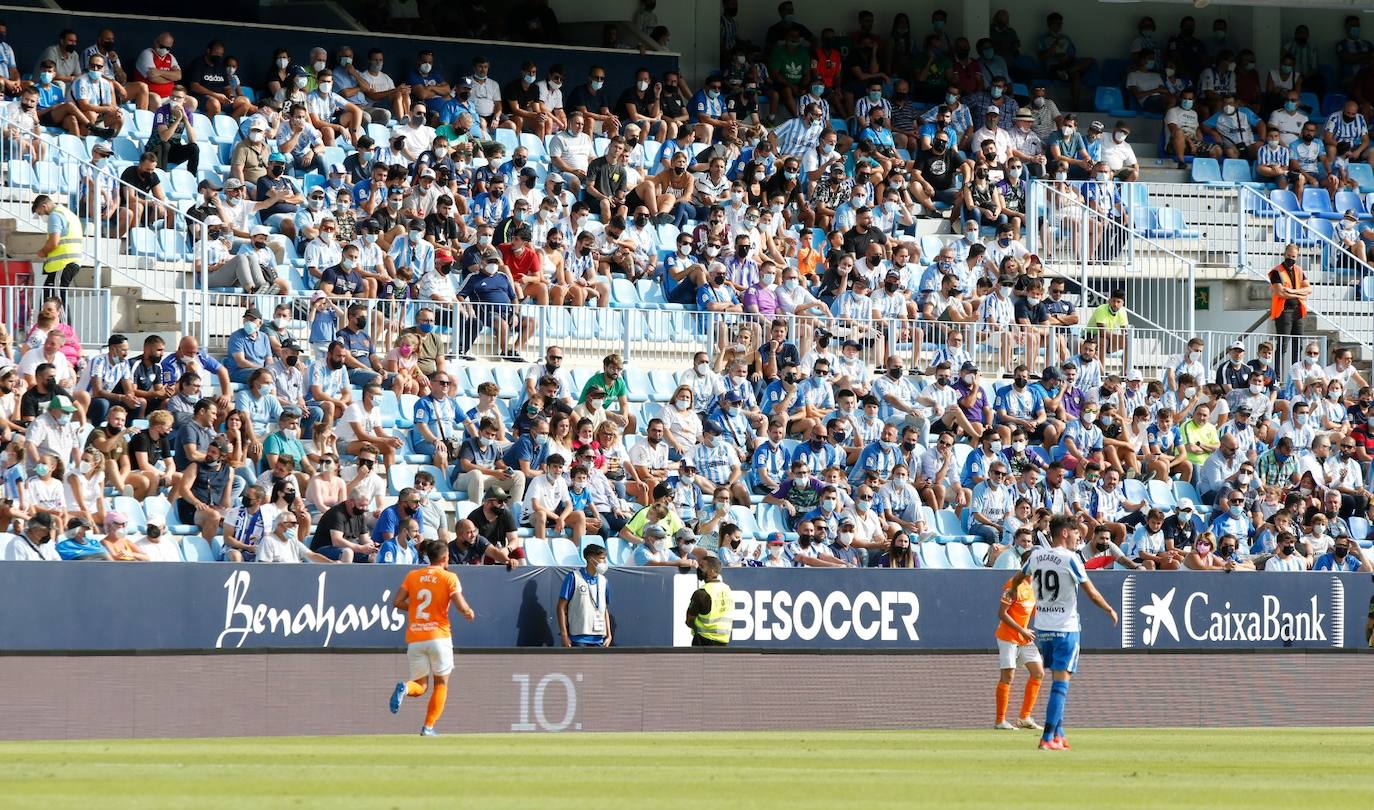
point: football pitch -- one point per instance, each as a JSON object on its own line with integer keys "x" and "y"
{"x": 1157, "y": 768}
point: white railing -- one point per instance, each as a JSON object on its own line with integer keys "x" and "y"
{"x": 1194, "y": 220}
{"x": 110, "y": 245}
{"x": 1104, "y": 254}
{"x": 87, "y": 309}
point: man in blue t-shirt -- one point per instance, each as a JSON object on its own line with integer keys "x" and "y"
{"x": 249, "y": 347}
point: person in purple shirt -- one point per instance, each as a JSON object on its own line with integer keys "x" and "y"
{"x": 799, "y": 494}
{"x": 973, "y": 400}
{"x": 762, "y": 299}
{"x": 740, "y": 271}
{"x": 1073, "y": 398}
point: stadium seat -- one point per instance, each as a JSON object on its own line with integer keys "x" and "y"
{"x": 619, "y": 552}
{"x": 1283, "y": 199}
{"x": 1235, "y": 170}
{"x": 69, "y": 148}
{"x": 1309, "y": 102}
{"x": 933, "y": 556}
{"x": 1298, "y": 232}
{"x": 980, "y": 551}
{"x": 959, "y": 556}
{"x": 1167, "y": 223}
{"x": 1161, "y": 495}
{"x": 565, "y": 552}
{"x": 743, "y": 517}
{"x": 1316, "y": 202}
{"x": 1363, "y": 175}
{"x": 1332, "y": 103}
{"x": 539, "y": 552}
{"x": 1351, "y": 201}
{"x": 195, "y": 549}
{"x": 1110, "y": 101}
{"x": 226, "y": 130}
{"x": 20, "y": 174}
{"x": 139, "y": 127}
{"x": 47, "y": 177}
{"x": 1359, "y": 528}
{"x": 624, "y": 294}
{"x": 1207, "y": 170}
{"x": 1185, "y": 489}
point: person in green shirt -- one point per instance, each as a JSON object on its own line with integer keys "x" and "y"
{"x": 1200, "y": 438}
{"x": 790, "y": 64}
{"x": 1110, "y": 322}
{"x": 611, "y": 380}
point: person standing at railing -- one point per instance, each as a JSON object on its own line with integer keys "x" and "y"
{"x": 1288, "y": 292}
{"x": 61, "y": 251}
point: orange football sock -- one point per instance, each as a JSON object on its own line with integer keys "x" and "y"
{"x": 1003, "y": 698}
{"x": 1028, "y": 699}
{"x": 436, "y": 704}
{"x": 415, "y": 688}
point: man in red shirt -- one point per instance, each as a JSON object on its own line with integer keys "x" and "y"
{"x": 525, "y": 266}
{"x": 159, "y": 71}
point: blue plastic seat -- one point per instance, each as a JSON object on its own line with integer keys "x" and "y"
{"x": 624, "y": 293}
{"x": 539, "y": 552}
{"x": 1167, "y": 223}
{"x": 535, "y": 147}
{"x": 172, "y": 246}
{"x": 1235, "y": 170}
{"x": 1316, "y": 202}
{"x": 21, "y": 175}
{"x": 140, "y": 126}
{"x": 1298, "y": 232}
{"x": 1350, "y": 201}
{"x": 1110, "y": 100}
{"x": 1363, "y": 174}
{"x": 1285, "y": 200}
{"x": 182, "y": 185}
{"x": 47, "y": 177}
{"x": 195, "y": 549}
{"x": 959, "y": 556}
{"x": 1309, "y": 102}
{"x": 1206, "y": 170}
{"x": 1332, "y": 103}
{"x": 933, "y": 556}
{"x": 226, "y": 129}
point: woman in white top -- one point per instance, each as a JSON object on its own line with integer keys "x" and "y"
{"x": 680, "y": 420}
{"x": 561, "y": 435}
{"x": 85, "y": 487}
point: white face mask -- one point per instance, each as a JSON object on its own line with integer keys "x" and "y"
{"x": 682, "y": 403}
{"x": 1189, "y": 392}
{"x": 775, "y": 551}
{"x": 1119, "y": 137}
{"x": 602, "y": 567}
{"x": 702, "y": 368}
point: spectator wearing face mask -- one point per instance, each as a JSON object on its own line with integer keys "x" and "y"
{"x": 1344, "y": 555}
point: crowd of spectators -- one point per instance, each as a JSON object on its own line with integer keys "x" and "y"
{"x": 798, "y": 241}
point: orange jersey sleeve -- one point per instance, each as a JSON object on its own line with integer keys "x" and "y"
{"x": 1019, "y": 608}
{"x": 430, "y": 590}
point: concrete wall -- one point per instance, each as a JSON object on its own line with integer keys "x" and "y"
{"x": 123, "y": 697}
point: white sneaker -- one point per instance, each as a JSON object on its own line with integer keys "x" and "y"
{"x": 1005, "y": 725}
{"x": 1029, "y": 722}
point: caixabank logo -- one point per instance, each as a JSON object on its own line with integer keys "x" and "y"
{"x": 1236, "y": 612}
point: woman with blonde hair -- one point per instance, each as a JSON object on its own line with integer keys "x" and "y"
{"x": 682, "y": 426}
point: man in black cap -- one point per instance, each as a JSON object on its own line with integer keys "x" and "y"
{"x": 38, "y": 542}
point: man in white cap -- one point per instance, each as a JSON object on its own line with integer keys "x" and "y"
{"x": 99, "y": 178}
{"x": 227, "y": 270}
{"x": 992, "y": 131}
{"x": 1234, "y": 373}
{"x": 1025, "y": 144}
{"x": 262, "y": 254}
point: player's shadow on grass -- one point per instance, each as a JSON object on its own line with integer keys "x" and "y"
{"x": 532, "y": 627}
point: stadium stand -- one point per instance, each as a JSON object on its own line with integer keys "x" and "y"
{"x": 359, "y": 301}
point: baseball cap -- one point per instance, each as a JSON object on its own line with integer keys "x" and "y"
{"x": 276, "y": 157}
{"x": 61, "y": 403}
{"x": 992, "y": 110}
{"x": 733, "y": 396}
{"x": 232, "y": 183}
{"x": 967, "y": 366}
{"x": 290, "y": 345}
{"x": 1134, "y": 375}
{"x": 252, "y": 314}
{"x": 466, "y": 81}
{"x": 207, "y": 183}
{"x": 655, "y": 531}
{"x": 336, "y": 168}
{"x": 712, "y": 428}
{"x": 1245, "y": 409}
{"x": 1185, "y": 504}
{"x": 427, "y": 172}
{"x": 1096, "y": 125}
{"x": 1238, "y": 345}
{"x": 443, "y": 256}
{"x": 102, "y": 146}
{"x": 213, "y": 219}
{"x": 498, "y": 493}
{"x": 684, "y": 535}
{"x": 259, "y": 230}
{"x": 776, "y": 538}
{"x": 851, "y": 343}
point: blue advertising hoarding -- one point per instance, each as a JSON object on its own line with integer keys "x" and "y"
{"x": 100, "y": 607}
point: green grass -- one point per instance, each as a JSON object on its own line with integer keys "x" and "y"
{"x": 1269, "y": 768}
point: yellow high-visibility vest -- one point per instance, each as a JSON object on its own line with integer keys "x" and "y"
{"x": 69, "y": 246}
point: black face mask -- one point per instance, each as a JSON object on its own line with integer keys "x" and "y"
{"x": 291, "y": 360}
{"x": 1289, "y": 549}
{"x": 1020, "y": 383}
{"x": 1339, "y": 552}
{"x": 894, "y": 373}
{"x": 276, "y": 171}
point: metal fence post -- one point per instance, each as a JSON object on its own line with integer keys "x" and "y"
{"x": 202, "y": 248}
{"x": 625, "y": 333}
{"x": 1190, "y": 299}
{"x": 1241, "y": 247}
